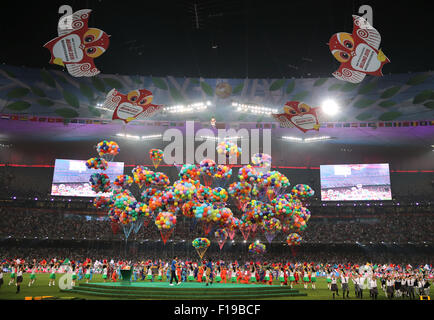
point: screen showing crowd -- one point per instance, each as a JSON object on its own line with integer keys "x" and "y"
{"x": 349, "y": 182}
{"x": 71, "y": 177}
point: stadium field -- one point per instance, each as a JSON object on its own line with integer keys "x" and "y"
{"x": 40, "y": 288}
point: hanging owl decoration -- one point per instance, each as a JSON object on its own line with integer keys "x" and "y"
{"x": 300, "y": 115}
{"x": 358, "y": 52}
{"x": 134, "y": 105}
{"x": 77, "y": 45}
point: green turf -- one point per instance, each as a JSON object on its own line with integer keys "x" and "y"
{"x": 41, "y": 288}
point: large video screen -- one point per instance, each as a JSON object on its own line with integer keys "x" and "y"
{"x": 347, "y": 182}
{"x": 71, "y": 177}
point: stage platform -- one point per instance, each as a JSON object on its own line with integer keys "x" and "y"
{"x": 186, "y": 290}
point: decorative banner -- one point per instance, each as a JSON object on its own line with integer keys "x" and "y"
{"x": 358, "y": 52}
{"x": 300, "y": 115}
{"x": 136, "y": 103}
{"x": 77, "y": 45}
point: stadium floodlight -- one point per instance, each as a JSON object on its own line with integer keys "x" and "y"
{"x": 198, "y": 106}
{"x": 313, "y": 139}
{"x": 152, "y": 136}
{"x": 292, "y": 139}
{"x": 306, "y": 140}
{"x": 255, "y": 109}
{"x": 330, "y": 107}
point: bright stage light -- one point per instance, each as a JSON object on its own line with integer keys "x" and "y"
{"x": 306, "y": 140}
{"x": 330, "y": 107}
{"x": 292, "y": 138}
{"x": 152, "y": 136}
{"x": 255, "y": 109}
{"x": 197, "y": 106}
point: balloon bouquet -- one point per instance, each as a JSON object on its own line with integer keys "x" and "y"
{"x": 156, "y": 156}
{"x": 264, "y": 203}
{"x": 165, "y": 223}
{"x": 260, "y": 197}
{"x": 221, "y": 236}
{"x": 257, "y": 247}
{"x": 293, "y": 240}
{"x": 201, "y": 245}
{"x": 99, "y": 181}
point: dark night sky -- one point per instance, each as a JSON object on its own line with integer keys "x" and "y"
{"x": 269, "y": 39}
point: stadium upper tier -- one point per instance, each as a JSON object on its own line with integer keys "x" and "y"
{"x": 53, "y": 93}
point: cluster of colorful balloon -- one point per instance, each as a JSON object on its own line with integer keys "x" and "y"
{"x": 123, "y": 181}
{"x": 201, "y": 243}
{"x": 272, "y": 225}
{"x": 156, "y": 156}
{"x": 223, "y": 172}
{"x": 293, "y": 239}
{"x": 204, "y": 194}
{"x": 188, "y": 207}
{"x": 205, "y": 211}
{"x": 248, "y": 174}
{"x": 100, "y": 182}
{"x": 165, "y": 201}
{"x": 159, "y": 179}
{"x": 97, "y": 163}
{"x": 189, "y": 171}
{"x": 229, "y": 149}
{"x": 257, "y": 247}
{"x": 165, "y": 220}
{"x": 283, "y": 207}
{"x": 219, "y": 195}
{"x": 184, "y": 190}
{"x": 208, "y": 167}
{"x": 221, "y": 234}
{"x": 262, "y": 160}
{"x": 102, "y": 202}
{"x": 256, "y": 211}
{"x": 107, "y": 148}
{"x": 142, "y": 176}
{"x": 148, "y": 193}
{"x": 302, "y": 190}
{"x": 273, "y": 179}
{"x": 239, "y": 189}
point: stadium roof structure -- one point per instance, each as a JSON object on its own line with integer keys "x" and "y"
{"x": 406, "y": 133}
{"x": 264, "y": 53}
{"x": 222, "y": 38}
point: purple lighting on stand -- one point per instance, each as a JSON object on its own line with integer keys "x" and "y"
{"x": 15, "y": 198}
{"x": 36, "y": 199}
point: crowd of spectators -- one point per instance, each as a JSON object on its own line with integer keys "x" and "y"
{"x": 28, "y": 223}
{"x": 322, "y": 257}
